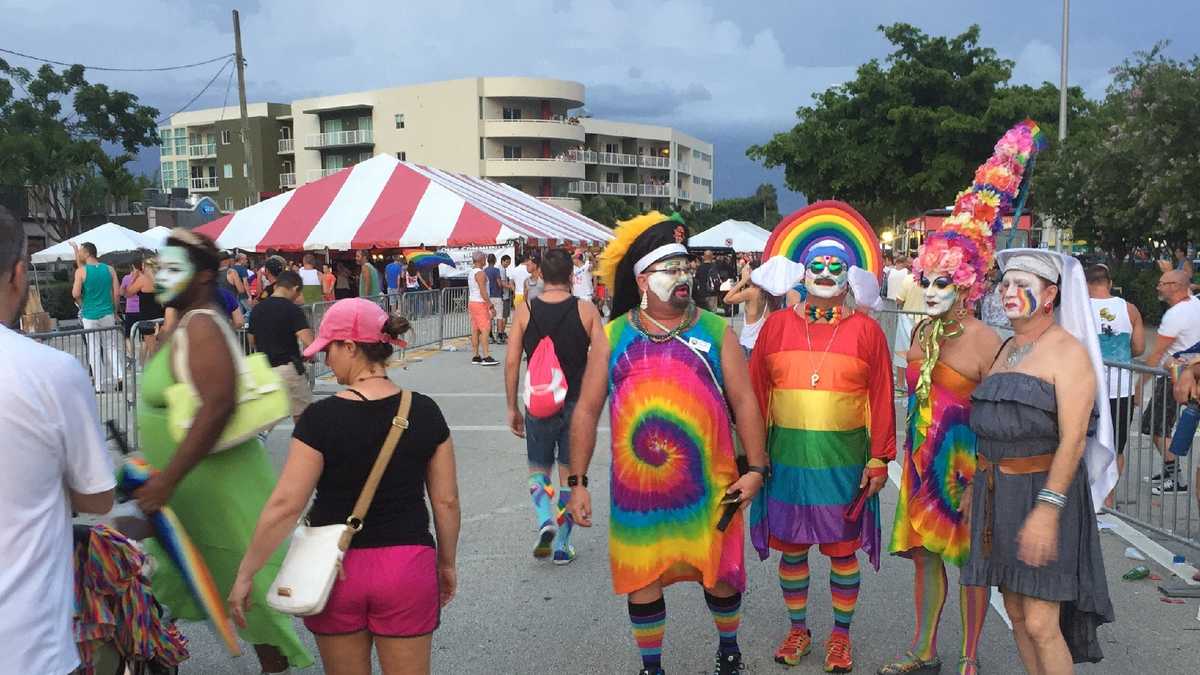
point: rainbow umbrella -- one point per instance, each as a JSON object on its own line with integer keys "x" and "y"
{"x": 174, "y": 539}
{"x": 426, "y": 259}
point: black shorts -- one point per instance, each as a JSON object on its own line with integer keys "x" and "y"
{"x": 127, "y": 321}
{"x": 1121, "y": 412}
{"x": 1158, "y": 419}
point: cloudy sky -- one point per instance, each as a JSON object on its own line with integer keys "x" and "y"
{"x": 729, "y": 71}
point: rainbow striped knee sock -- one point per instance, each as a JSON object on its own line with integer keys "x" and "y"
{"x": 727, "y": 615}
{"x": 649, "y": 621}
{"x": 843, "y": 586}
{"x": 793, "y": 579}
{"x": 541, "y": 491}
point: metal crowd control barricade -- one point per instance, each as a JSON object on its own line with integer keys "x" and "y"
{"x": 105, "y": 355}
{"x": 454, "y": 319}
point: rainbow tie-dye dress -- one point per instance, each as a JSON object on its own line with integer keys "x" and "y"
{"x": 939, "y": 464}
{"x": 672, "y": 460}
{"x": 821, "y": 433}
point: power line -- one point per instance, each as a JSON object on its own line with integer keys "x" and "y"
{"x": 118, "y": 70}
{"x": 198, "y": 94}
{"x": 228, "y": 86}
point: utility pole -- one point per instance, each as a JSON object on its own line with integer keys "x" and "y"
{"x": 241, "y": 74}
{"x": 1062, "y": 100}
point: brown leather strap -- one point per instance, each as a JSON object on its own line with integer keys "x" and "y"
{"x": 1018, "y": 466}
{"x": 399, "y": 423}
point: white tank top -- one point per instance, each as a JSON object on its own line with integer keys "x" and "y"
{"x": 474, "y": 292}
{"x": 1116, "y": 334}
{"x": 750, "y": 331}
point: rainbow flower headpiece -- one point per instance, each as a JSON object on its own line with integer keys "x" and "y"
{"x": 966, "y": 245}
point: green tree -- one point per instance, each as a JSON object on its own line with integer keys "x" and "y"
{"x": 762, "y": 209}
{"x": 608, "y": 210}
{"x": 51, "y": 139}
{"x": 907, "y": 134}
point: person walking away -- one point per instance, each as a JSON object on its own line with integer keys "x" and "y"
{"x": 142, "y": 287}
{"x": 480, "y": 309}
{"x": 278, "y": 330}
{"x": 757, "y": 307}
{"x": 708, "y": 281}
{"x": 518, "y": 276}
{"x": 368, "y": 276}
{"x": 217, "y": 495}
{"x": 581, "y": 276}
{"x": 392, "y": 273}
{"x": 675, "y": 373}
{"x": 496, "y": 298}
{"x": 313, "y": 289}
{"x": 53, "y": 460}
{"x": 328, "y": 280}
{"x": 1178, "y": 330}
{"x": 506, "y": 297}
{"x": 910, "y": 299}
{"x": 396, "y": 576}
{"x": 533, "y": 283}
{"x": 132, "y": 308}
{"x": 1122, "y": 337}
{"x": 96, "y": 291}
{"x": 571, "y": 326}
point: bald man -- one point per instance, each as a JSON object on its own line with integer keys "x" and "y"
{"x": 1178, "y": 331}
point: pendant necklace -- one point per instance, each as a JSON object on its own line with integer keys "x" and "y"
{"x": 816, "y": 373}
{"x": 1019, "y": 352}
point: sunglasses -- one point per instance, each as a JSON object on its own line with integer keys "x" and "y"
{"x": 835, "y": 268}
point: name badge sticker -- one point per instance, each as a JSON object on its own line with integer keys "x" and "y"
{"x": 697, "y": 343}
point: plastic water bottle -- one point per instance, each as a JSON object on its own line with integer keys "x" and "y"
{"x": 1185, "y": 429}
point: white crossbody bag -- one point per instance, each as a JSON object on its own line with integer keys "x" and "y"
{"x": 314, "y": 558}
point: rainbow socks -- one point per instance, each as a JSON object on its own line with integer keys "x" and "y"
{"x": 929, "y": 597}
{"x": 649, "y": 621}
{"x": 973, "y": 604}
{"x": 727, "y": 615}
{"x": 541, "y": 491}
{"x": 793, "y": 579}
{"x": 564, "y": 553}
{"x": 843, "y": 586}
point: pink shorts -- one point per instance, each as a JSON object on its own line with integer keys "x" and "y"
{"x": 481, "y": 319}
{"x": 389, "y": 592}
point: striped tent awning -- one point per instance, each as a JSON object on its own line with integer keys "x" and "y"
{"x": 386, "y": 203}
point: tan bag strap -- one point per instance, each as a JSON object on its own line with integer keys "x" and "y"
{"x": 354, "y": 523}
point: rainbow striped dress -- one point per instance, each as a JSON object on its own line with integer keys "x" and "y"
{"x": 939, "y": 463}
{"x": 672, "y": 460}
{"x": 821, "y": 434}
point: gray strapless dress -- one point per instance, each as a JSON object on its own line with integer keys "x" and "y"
{"x": 1016, "y": 415}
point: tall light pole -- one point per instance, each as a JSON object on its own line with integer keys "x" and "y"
{"x": 1062, "y": 84}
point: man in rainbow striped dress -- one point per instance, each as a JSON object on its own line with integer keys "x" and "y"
{"x": 822, "y": 375}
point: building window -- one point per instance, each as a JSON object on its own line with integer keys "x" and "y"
{"x": 285, "y": 167}
{"x": 612, "y": 148}
{"x": 399, "y": 120}
{"x": 612, "y": 177}
{"x": 512, "y": 113}
{"x": 228, "y": 207}
{"x": 228, "y": 171}
{"x": 285, "y": 133}
{"x": 695, "y": 154}
{"x": 226, "y": 137}
{"x": 245, "y": 171}
{"x": 402, "y": 156}
{"x": 512, "y": 152}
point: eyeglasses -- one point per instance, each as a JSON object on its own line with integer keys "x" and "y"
{"x": 834, "y": 267}
{"x": 1167, "y": 283}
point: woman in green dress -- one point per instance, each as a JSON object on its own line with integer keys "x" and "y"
{"x": 217, "y": 496}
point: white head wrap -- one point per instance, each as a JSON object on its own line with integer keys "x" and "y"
{"x": 1074, "y": 314}
{"x": 780, "y": 274}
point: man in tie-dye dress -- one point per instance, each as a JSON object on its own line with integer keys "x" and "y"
{"x": 823, "y": 378}
{"x": 673, "y": 372}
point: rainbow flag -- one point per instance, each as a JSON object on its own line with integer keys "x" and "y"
{"x": 174, "y": 539}
{"x": 427, "y": 259}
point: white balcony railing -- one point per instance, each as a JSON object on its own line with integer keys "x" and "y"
{"x": 340, "y": 138}
{"x": 653, "y": 162}
{"x": 684, "y": 167}
{"x": 202, "y": 150}
{"x": 565, "y": 202}
{"x": 619, "y": 189}
{"x": 287, "y": 145}
{"x": 287, "y": 180}
{"x": 204, "y": 184}
{"x": 617, "y": 159}
{"x": 684, "y": 194}
{"x": 557, "y": 119}
{"x": 650, "y": 190}
{"x": 318, "y": 174}
{"x": 583, "y": 187}
{"x": 587, "y": 156}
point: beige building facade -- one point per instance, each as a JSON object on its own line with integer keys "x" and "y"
{"x": 516, "y": 130}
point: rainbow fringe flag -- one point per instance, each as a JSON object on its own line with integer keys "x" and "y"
{"x": 174, "y": 539}
{"x": 427, "y": 259}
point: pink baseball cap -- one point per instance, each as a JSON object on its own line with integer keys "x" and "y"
{"x": 352, "y": 319}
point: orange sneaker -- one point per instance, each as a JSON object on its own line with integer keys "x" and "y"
{"x": 795, "y": 645}
{"x": 837, "y": 654}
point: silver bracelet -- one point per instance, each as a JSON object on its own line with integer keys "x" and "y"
{"x": 1055, "y": 499}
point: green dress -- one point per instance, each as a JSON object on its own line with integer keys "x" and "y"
{"x": 218, "y": 502}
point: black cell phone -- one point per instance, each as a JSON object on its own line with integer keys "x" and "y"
{"x": 733, "y": 498}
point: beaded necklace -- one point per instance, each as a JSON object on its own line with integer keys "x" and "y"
{"x": 689, "y": 318}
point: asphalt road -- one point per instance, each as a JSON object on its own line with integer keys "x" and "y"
{"x": 514, "y": 614}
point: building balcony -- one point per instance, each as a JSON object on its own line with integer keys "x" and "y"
{"x": 340, "y": 139}
{"x": 202, "y": 151}
{"x": 684, "y": 194}
{"x": 563, "y": 130}
{"x": 318, "y": 174}
{"x": 651, "y": 190}
{"x": 287, "y": 146}
{"x": 585, "y": 156}
{"x": 287, "y": 180}
{"x": 591, "y": 187}
{"x": 683, "y": 167}
{"x": 569, "y": 203}
{"x": 532, "y": 168}
{"x": 654, "y": 162}
{"x": 617, "y": 159}
{"x": 208, "y": 184}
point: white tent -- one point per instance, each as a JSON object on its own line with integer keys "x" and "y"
{"x": 739, "y": 235}
{"x": 157, "y": 236}
{"x": 107, "y": 238}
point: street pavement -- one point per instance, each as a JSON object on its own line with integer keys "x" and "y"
{"x": 515, "y": 614}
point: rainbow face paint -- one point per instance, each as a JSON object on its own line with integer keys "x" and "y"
{"x": 1019, "y": 292}
{"x": 940, "y": 295}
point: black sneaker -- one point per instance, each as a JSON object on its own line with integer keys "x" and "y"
{"x": 489, "y": 361}
{"x": 1168, "y": 471}
{"x": 728, "y": 664}
{"x": 476, "y": 360}
{"x": 1169, "y": 486}
{"x": 647, "y": 671}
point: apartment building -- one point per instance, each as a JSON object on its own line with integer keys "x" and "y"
{"x": 516, "y": 130}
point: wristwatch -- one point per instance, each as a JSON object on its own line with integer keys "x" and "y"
{"x": 575, "y": 481}
{"x": 764, "y": 471}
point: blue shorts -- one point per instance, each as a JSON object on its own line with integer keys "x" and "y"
{"x": 548, "y": 437}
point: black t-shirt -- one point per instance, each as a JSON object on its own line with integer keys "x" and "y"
{"x": 561, "y": 321}
{"x": 349, "y": 434}
{"x": 274, "y": 324}
{"x": 707, "y": 281}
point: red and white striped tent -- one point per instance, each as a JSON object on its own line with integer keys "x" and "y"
{"x": 386, "y": 203}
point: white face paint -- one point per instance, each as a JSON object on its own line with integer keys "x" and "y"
{"x": 1021, "y": 293}
{"x": 940, "y": 295}
{"x": 826, "y": 277}
{"x": 175, "y": 272}
{"x": 667, "y": 279}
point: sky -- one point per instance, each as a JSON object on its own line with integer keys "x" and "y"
{"x": 732, "y": 72}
